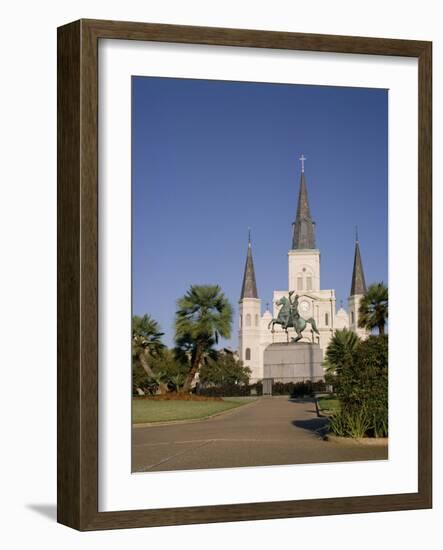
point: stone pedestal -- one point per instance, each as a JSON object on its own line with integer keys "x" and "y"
{"x": 293, "y": 360}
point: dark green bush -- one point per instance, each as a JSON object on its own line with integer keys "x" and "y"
{"x": 223, "y": 370}
{"x": 307, "y": 388}
{"x": 226, "y": 390}
{"x": 257, "y": 388}
{"x": 141, "y": 381}
{"x": 283, "y": 388}
{"x": 362, "y": 389}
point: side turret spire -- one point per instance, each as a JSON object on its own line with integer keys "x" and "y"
{"x": 358, "y": 284}
{"x": 249, "y": 286}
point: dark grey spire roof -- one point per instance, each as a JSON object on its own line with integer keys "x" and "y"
{"x": 249, "y": 286}
{"x": 358, "y": 285}
{"x": 304, "y": 227}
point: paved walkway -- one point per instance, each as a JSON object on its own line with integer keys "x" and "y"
{"x": 269, "y": 431}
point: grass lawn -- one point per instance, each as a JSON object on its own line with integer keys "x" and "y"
{"x": 151, "y": 410}
{"x": 328, "y": 404}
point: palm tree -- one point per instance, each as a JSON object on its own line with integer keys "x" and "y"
{"x": 204, "y": 314}
{"x": 340, "y": 348}
{"x": 147, "y": 344}
{"x": 373, "y": 310}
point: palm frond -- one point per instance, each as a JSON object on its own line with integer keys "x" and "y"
{"x": 373, "y": 311}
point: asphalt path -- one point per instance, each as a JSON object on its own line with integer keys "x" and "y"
{"x": 268, "y": 431}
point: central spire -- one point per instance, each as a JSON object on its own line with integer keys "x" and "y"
{"x": 303, "y": 236}
{"x": 249, "y": 286}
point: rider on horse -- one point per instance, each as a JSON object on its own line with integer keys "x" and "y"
{"x": 289, "y": 317}
{"x": 295, "y": 315}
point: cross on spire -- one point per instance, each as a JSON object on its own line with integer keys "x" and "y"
{"x": 302, "y": 159}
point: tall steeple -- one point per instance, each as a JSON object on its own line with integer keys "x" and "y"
{"x": 303, "y": 236}
{"x": 249, "y": 286}
{"x": 358, "y": 284}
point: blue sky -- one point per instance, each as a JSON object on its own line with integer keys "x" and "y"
{"x": 212, "y": 158}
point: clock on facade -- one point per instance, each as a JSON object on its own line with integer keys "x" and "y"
{"x": 304, "y": 306}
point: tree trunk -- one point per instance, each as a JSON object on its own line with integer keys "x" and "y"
{"x": 194, "y": 369}
{"x": 381, "y": 329}
{"x": 163, "y": 388}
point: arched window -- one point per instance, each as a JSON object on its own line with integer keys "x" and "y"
{"x": 326, "y": 319}
{"x": 308, "y": 283}
{"x": 352, "y": 317}
{"x": 241, "y": 321}
{"x": 248, "y": 354}
{"x": 256, "y": 320}
{"x": 299, "y": 283}
{"x": 248, "y": 320}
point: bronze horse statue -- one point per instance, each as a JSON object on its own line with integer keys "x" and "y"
{"x": 289, "y": 317}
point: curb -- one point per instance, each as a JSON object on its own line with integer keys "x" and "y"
{"x": 367, "y": 441}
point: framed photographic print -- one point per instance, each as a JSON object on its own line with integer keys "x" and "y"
{"x": 244, "y": 275}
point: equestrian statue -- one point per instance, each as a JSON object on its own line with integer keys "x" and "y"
{"x": 289, "y": 317}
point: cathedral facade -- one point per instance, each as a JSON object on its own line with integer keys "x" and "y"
{"x": 305, "y": 281}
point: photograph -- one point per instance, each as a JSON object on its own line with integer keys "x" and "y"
{"x": 260, "y": 329}
{"x": 222, "y": 219}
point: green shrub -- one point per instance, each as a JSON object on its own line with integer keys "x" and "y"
{"x": 380, "y": 424}
{"x": 226, "y": 390}
{"x": 362, "y": 389}
{"x": 257, "y": 388}
{"x": 358, "y": 422}
{"x": 141, "y": 381}
{"x": 307, "y": 388}
{"x": 354, "y": 423}
{"x": 223, "y": 369}
{"x": 283, "y": 388}
{"x": 338, "y": 424}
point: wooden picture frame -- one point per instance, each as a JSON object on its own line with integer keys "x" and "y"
{"x": 77, "y": 457}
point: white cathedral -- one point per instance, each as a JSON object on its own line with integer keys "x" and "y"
{"x": 304, "y": 280}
